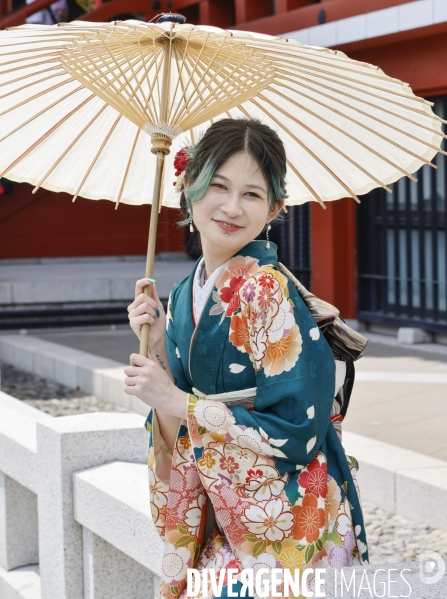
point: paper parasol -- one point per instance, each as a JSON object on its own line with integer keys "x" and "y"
{"x": 93, "y": 108}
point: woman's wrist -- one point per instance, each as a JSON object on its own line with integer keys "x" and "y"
{"x": 181, "y": 404}
{"x": 160, "y": 355}
{"x": 158, "y": 346}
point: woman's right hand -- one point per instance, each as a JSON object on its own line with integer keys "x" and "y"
{"x": 143, "y": 310}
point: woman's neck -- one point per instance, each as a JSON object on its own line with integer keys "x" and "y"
{"x": 215, "y": 259}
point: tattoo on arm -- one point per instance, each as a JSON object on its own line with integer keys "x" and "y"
{"x": 160, "y": 361}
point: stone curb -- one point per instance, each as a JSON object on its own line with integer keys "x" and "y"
{"x": 406, "y": 482}
{"x": 410, "y": 483}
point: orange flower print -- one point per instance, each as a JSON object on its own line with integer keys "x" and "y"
{"x": 309, "y": 519}
{"x": 240, "y": 335}
{"x": 207, "y": 461}
{"x": 185, "y": 442}
{"x": 228, "y": 463}
{"x": 314, "y": 478}
{"x": 282, "y": 355}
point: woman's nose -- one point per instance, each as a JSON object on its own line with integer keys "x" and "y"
{"x": 232, "y": 205}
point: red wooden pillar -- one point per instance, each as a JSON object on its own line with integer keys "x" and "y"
{"x": 333, "y": 254}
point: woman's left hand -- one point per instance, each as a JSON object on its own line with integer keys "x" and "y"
{"x": 149, "y": 382}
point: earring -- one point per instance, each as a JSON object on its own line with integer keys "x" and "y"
{"x": 191, "y": 228}
{"x": 267, "y": 245}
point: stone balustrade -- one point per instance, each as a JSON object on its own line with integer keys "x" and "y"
{"x": 75, "y": 519}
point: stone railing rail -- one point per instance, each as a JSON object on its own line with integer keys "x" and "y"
{"x": 75, "y": 519}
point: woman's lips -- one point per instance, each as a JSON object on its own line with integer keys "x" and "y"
{"x": 227, "y": 228}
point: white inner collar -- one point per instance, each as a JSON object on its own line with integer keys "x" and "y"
{"x": 202, "y": 288}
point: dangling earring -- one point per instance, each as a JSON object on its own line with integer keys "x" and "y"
{"x": 267, "y": 245}
{"x": 191, "y": 228}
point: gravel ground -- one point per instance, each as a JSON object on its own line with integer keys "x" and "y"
{"x": 394, "y": 539}
{"x": 50, "y": 397}
{"x": 391, "y": 538}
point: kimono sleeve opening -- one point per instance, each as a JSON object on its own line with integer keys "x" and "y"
{"x": 159, "y": 464}
{"x": 159, "y": 456}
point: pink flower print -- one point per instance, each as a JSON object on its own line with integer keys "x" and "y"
{"x": 314, "y": 478}
{"x": 229, "y": 295}
{"x": 341, "y": 557}
{"x": 238, "y": 266}
{"x": 248, "y": 291}
{"x": 229, "y": 508}
{"x": 264, "y": 299}
{"x": 229, "y": 463}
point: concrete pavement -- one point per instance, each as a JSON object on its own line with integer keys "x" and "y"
{"x": 410, "y": 409}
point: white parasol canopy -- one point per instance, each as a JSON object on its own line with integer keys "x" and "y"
{"x": 80, "y": 101}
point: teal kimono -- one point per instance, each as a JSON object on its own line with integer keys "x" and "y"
{"x": 269, "y": 463}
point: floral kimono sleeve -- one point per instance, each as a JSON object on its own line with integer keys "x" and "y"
{"x": 295, "y": 375}
{"x": 159, "y": 456}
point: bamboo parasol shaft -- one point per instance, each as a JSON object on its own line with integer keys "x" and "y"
{"x": 144, "y": 337}
{"x": 160, "y": 146}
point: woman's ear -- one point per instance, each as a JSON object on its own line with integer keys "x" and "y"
{"x": 275, "y": 211}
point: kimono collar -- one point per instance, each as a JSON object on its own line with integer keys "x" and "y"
{"x": 257, "y": 249}
{"x": 194, "y": 341}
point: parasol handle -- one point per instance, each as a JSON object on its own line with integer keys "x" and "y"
{"x": 144, "y": 335}
{"x": 160, "y": 146}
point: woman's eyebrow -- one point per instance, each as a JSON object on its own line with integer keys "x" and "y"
{"x": 256, "y": 187}
{"x": 251, "y": 186}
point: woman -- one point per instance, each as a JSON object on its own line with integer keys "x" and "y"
{"x": 246, "y": 468}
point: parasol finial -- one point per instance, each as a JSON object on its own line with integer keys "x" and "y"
{"x": 171, "y": 17}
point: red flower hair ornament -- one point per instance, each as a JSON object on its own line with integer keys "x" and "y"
{"x": 181, "y": 159}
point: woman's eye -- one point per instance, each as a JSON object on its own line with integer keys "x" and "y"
{"x": 219, "y": 185}
{"x": 252, "y": 194}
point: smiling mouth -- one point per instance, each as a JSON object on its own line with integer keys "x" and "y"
{"x": 226, "y": 224}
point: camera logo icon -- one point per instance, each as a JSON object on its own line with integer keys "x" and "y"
{"x": 431, "y": 567}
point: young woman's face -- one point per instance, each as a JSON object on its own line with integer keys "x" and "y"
{"x": 235, "y": 208}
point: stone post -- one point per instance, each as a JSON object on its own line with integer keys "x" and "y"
{"x": 18, "y": 525}
{"x": 106, "y": 568}
{"x": 65, "y": 446}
